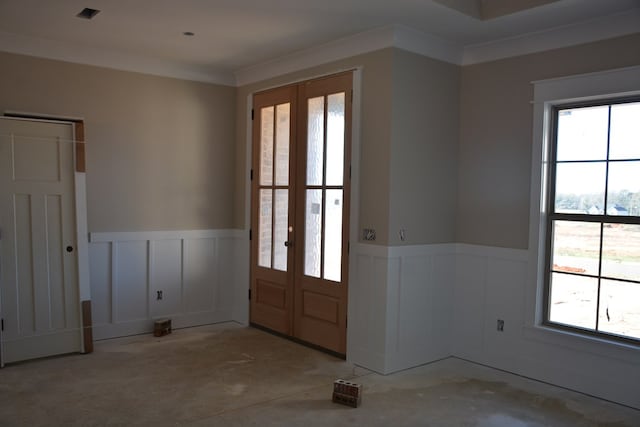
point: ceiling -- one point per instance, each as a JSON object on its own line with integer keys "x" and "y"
{"x": 233, "y": 35}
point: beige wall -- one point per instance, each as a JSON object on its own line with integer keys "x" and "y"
{"x": 496, "y": 131}
{"x": 424, "y": 149}
{"x": 160, "y": 151}
{"x": 376, "y": 135}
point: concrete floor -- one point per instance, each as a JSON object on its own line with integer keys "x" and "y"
{"x": 228, "y": 375}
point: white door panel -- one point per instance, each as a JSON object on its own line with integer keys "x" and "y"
{"x": 38, "y": 275}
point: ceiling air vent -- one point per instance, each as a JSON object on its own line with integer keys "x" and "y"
{"x": 88, "y": 13}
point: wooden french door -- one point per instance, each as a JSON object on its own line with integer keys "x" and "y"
{"x": 300, "y": 210}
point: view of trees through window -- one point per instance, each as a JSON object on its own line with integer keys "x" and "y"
{"x": 593, "y": 263}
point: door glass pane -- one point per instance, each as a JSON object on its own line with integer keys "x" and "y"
{"x": 313, "y": 233}
{"x": 621, "y": 251}
{"x": 580, "y": 188}
{"x": 315, "y": 140}
{"x": 625, "y": 128}
{"x": 282, "y": 143}
{"x": 266, "y": 146}
{"x": 333, "y": 235}
{"x": 264, "y": 232}
{"x": 623, "y": 191}
{"x": 280, "y": 231}
{"x": 620, "y": 308}
{"x": 576, "y": 247}
{"x": 573, "y": 300}
{"x": 335, "y": 138}
{"x": 582, "y": 133}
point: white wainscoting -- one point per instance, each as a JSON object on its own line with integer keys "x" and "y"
{"x": 399, "y": 305}
{"x": 197, "y": 272}
{"x": 491, "y": 284}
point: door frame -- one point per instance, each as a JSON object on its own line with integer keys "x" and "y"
{"x": 80, "y": 204}
{"x": 354, "y": 215}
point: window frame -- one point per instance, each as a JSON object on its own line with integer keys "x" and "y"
{"x": 548, "y": 191}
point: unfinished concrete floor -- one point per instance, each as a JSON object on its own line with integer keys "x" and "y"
{"x": 228, "y": 375}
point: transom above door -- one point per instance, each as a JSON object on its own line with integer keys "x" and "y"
{"x": 300, "y": 210}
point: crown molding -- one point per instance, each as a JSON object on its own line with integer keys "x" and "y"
{"x": 346, "y": 47}
{"x": 570, "y": 35}
{"x": 390, "y": 36}
{"x": 61, "y": 51}
{"x": 368, "y": 41}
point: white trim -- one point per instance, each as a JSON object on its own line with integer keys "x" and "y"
{"x": 547, "y": 93}
{"x": 602, "y": 84}
{"x": 510, "y": 254}
{"x": 123, "y": 236}
{"x": 422, "y": 250}
{"x": 353, "y": 352}
{"x": 570, "y": 35}
{"x": 346, "y": 47}
{"x": 583, "y": 343}
{"x": 79, "y": 54}
{"x": 391, "y": 36}
{"x": 25, "y": 115}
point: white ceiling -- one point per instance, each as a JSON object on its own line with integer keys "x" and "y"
{"x": 235, "y": 35}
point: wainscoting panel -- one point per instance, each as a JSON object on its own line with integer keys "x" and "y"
{"x": 199, "y": 275}
{"x": 136, "y": 277}
{"x": 131, "y": 284}
{"x": 420, "y": 292}
{"x": 490, "y": 285}
{"x": 399, "y": 305}
{"x": 165, "y": 281}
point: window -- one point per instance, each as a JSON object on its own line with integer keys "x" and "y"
{"x": 593, "y": 222}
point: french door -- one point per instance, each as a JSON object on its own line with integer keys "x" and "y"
{"x": 300, "y": 210}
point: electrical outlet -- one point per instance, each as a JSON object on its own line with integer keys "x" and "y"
{"x": 500, "y": 326}
{"x": 158, "y": 295}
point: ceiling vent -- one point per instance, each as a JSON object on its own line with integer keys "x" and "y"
{"x": 88, "y": 13}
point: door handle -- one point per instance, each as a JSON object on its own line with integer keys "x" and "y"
{"x": 288, "y": 243}
{"x": 69, "y": 248}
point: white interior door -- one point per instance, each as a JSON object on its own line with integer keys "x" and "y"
{"x": 39, "y": 298}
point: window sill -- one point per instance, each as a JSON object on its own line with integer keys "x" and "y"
{"x": 602, "y": 347}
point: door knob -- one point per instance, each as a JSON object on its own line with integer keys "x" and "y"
{"x": 288, "y": 243}
{"x": 69, "y": 248}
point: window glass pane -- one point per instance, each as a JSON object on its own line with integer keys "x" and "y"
{"x": 315, "y": 141}
{"x": 621, "y": 251}
{"x": 623, "y": 196}
{"x": 625, "y": 131}
{"x": 582, "y": 133}
{"x": 335, "y": 138}
{"x": 266, "y": 146}
{"x": 264, "y": 232}
{"x": 620, "y": 308}
{"x": 282, "y": 143}
{"x": 576, "y": 247}
{"x": 580, "y": 187}
{"x": 573, "y": 300}
{"x": 313, "y": 233}
{"x": 333, "y": 235}
{"x": 280, "y": 233}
